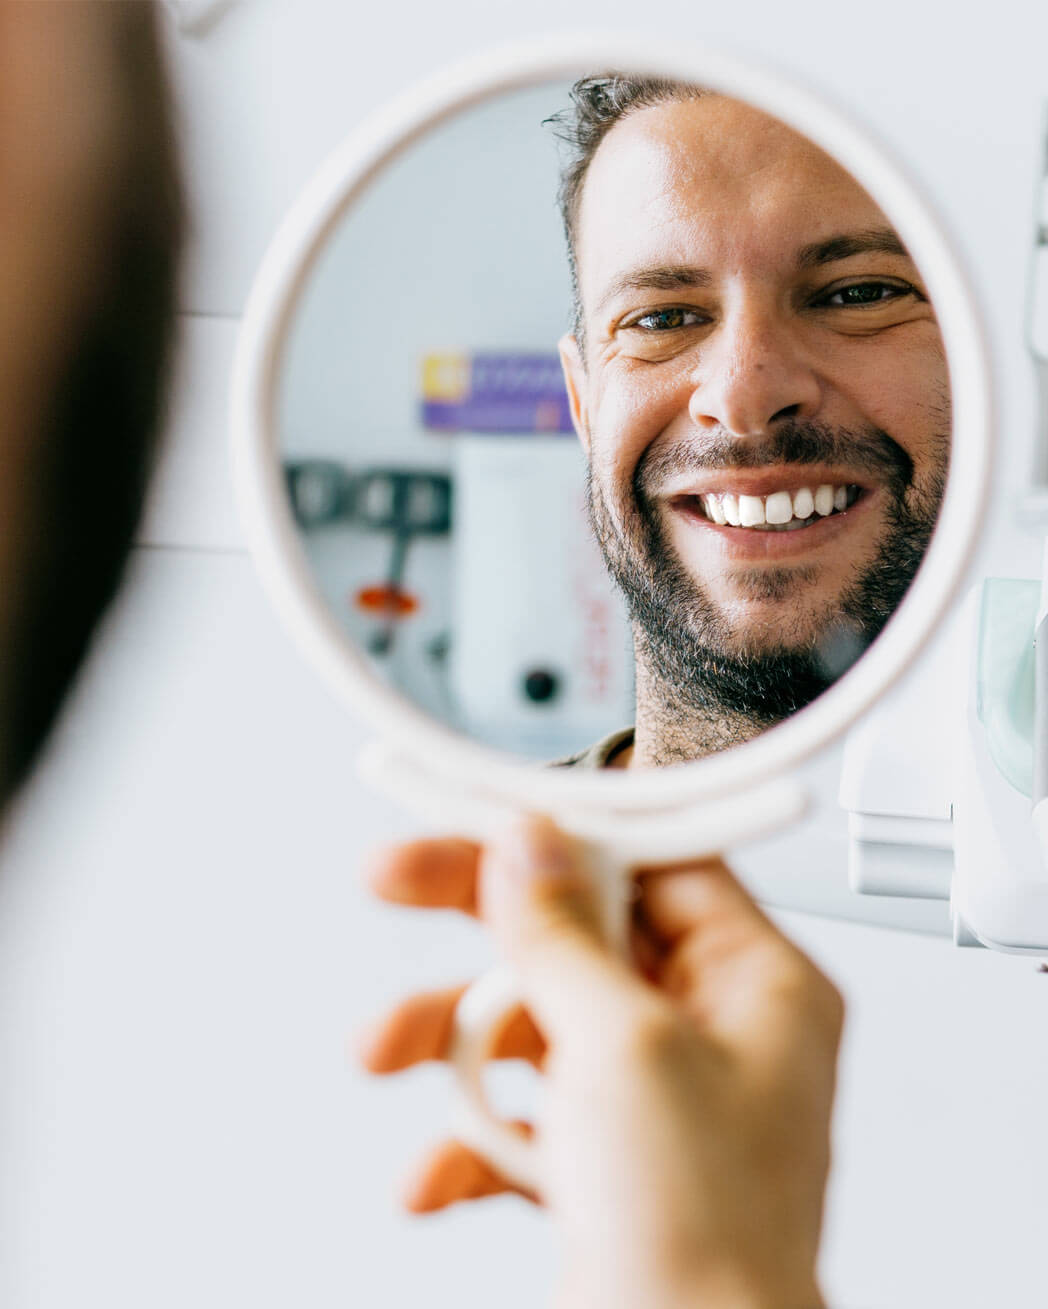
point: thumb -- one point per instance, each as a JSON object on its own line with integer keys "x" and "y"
{"x": 542, "y": 900}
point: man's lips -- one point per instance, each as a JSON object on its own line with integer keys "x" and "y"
{"x": 772, "y": 498}
{"x": 777, "y": 525}
{"x": 760, "y": 481}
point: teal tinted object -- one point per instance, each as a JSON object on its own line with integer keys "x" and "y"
{"x": 1005, "y": 675}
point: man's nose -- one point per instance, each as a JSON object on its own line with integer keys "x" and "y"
{"x": 753, "y": 373}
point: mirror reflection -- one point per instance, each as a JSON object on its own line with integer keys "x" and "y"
{"x": 615, "y": 418}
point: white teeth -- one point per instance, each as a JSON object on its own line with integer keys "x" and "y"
{"x": 751, "y": 511}
{"x": 778, "y": 508}
{"x": 714, "y": 508}
{"x": 781, "y": 510}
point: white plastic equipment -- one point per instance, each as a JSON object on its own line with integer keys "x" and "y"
{"x": 542, "y": 662}
{"x": 945, "y": 783}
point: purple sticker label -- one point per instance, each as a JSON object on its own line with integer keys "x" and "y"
{"x": 494, "y": 393}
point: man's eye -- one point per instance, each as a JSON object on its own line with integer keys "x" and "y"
{"x": 865, "y": 293}
{"x": 667, "y": 320}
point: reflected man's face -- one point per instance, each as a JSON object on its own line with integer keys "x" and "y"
{"x": 760, "y": 386}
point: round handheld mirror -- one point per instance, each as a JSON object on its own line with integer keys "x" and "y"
{"x": 610, "y": 404}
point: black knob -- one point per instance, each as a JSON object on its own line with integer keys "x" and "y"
{"x": 321, "y": 491}
{"x": 540, "y": 686}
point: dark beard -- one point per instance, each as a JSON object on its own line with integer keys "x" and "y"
{"x": 702, "y": 669}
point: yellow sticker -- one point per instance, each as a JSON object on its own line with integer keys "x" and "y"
{"x": 445, "y": 377}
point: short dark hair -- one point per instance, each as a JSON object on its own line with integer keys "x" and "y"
{"x": 599, "y": 102}
{"x": 94, "y": 447}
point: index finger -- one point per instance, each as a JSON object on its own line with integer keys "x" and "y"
{"x": 436, "y": 873}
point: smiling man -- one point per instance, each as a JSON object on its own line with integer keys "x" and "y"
{"x": 760, "y": 385}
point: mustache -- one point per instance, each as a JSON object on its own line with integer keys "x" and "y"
{"x": 865, "y": 450}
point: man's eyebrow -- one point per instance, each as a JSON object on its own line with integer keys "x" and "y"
{"x": 878, "y": 240}
{"x": 671, "y": 277}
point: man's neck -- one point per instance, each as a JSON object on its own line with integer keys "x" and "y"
{"x": 671, "y": 729}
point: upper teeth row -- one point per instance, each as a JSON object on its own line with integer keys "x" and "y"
{"x": 779, "y": 507}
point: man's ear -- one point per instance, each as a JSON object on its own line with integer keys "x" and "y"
{"x": 575, "y": 381}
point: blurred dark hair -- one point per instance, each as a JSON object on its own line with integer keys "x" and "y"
{"x": 597, "y": 104}
{"x": 94, "y": 449}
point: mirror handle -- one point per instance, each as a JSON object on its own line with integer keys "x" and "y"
{"x": 481, "y": 1012}
{"x": 487, "y": 1005}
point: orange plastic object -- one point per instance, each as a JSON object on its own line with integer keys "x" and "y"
{"x": 386, "y": 600}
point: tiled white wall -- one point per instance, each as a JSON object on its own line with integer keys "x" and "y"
{"x": 191, "y": 501}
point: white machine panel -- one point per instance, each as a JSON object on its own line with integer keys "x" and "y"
{"x": 541, "y": 651}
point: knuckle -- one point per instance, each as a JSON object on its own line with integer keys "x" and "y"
{"x": 810, "y": 993}
{"x": 652, "y": 1035}
{"x": 823, "y": 1002}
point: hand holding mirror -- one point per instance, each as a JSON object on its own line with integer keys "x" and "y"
{"x": 731, "y": 524}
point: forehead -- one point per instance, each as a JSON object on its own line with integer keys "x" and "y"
{"x": 714, "y": 181}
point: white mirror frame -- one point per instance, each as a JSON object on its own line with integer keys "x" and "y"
{"x": 274, "y": 537}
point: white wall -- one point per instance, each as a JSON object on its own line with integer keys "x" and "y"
{"x": 457, "y": 248}
{"x": 184, "y": 944}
